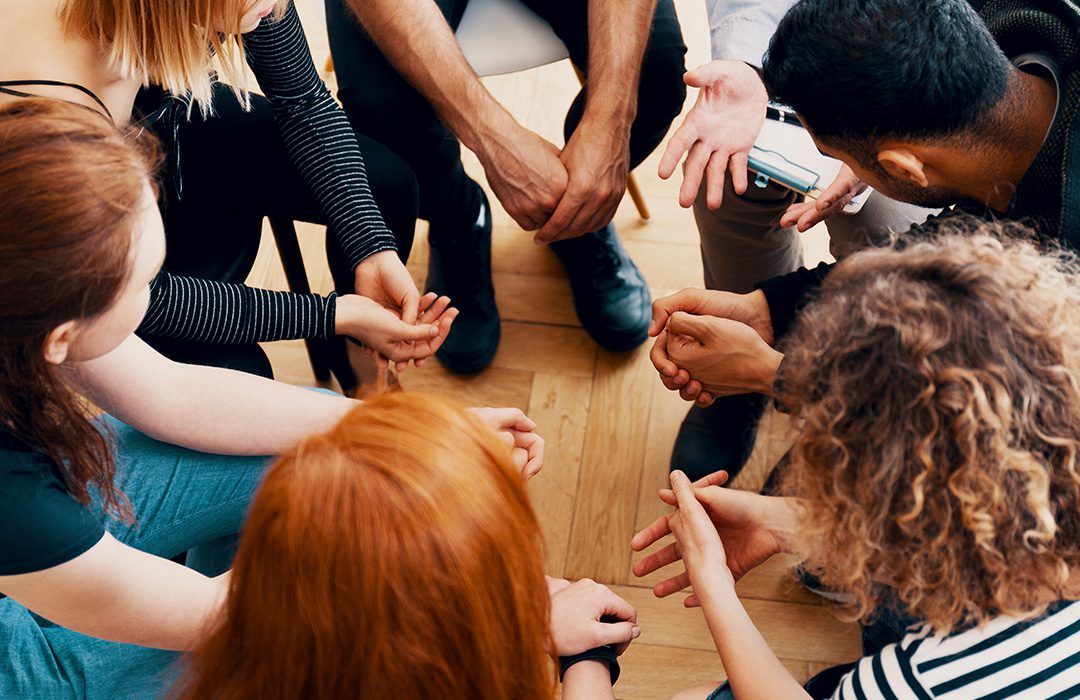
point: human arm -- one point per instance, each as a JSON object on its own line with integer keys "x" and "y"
{"x": 752, "y": 667}
{"x": 597, "y": 155}
{"x": 205, "y": 408}
{"x": 523, "y": 169}
{"x": 118, "y": 593}
{"x": 321, "y": 143}
{"x": 587, "y": 680}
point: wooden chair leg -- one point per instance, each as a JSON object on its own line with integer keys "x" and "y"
{"x": 635, "y": 194}
{"x": 631, "y": 182}
{"x": 293, "y": 262}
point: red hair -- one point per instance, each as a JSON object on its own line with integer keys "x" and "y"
{"x": 396, "y": 555}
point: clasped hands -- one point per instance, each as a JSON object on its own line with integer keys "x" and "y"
{"x": 711, "y": 344}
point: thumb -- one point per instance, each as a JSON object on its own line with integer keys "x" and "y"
{"x": 409, "y": 332}
{"x": 682, "y": 323}
{"x": 680, "y": 485}
{"x": 616, "y": 632}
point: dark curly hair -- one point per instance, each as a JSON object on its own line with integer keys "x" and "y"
{"x": 938, "y": 391}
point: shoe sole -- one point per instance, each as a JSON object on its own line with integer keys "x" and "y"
{"x": 475, "y": 365}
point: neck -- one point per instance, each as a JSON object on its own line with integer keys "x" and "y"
{"x": 1025, "y": 116}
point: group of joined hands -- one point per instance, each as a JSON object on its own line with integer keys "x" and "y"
{"x": 708, "y": 344}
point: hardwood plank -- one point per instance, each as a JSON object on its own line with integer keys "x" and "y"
{"x": 665, "y": 416}
{"x": 670, "y": 264}
{"x": 535, "y": 299}
{"x": 492, "y": 387}
{"x": 793, "y": 630}
{"x": 556, "y": 349}
{"x": 559, "y": 404}
{"x": 611, "y": 468}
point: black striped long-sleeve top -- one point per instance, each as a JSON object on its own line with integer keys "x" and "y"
{"x": 321, "y": 142}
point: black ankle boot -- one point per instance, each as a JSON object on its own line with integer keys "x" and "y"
{"x": 459, "y": 266}
{"x": 610, "y": 295}
{"x": 718, "y": 437}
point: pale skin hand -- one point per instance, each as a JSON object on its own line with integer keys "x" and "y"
{"x": 804, "y": 215}
{"x": 576, "y": 609}
{"x": 752, "y": 528}
{"x": 719, "y": 130}
{"x": 383, "y": 332}
{"x": 518, "y": 432}
{"x": 753, "y": 670}
{"x": 731, "y": 322}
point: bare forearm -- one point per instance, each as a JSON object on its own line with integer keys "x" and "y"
{"x": 205, "y": 408}
{"x": 417, "y": 40}
{"x": 618, "y": 33}
{"x": 587, "y": 680}
{"x": 752, "y": 667}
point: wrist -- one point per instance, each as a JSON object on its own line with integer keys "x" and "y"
{"x": 768, "y": 370}
{"x": 346, "y": 314}
{"x": 780, "y": 521}
{"x": 490, "y": 133}
{"x": 591, "y": 669}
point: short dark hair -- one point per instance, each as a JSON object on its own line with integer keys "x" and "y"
{"x": 860, "y": 70}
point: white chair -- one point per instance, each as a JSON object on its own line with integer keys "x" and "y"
{"x": 505, "y": 36}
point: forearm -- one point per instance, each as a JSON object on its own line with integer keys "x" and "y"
{"x": 752, "y": 667}
{"x": 206, "y": 408}
{"x": 618, "y": 34}
{"x": 587, "y": 680}
{"x": 417, "y": 40}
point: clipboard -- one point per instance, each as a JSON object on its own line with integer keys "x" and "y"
{"x": 785, "y": 154}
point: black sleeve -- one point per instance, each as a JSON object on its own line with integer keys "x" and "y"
{"x": 231, "y": 314}
{"x": 317, "y": 135}
{"x": 41, "y": 524}
{"x": 788, "y": 294}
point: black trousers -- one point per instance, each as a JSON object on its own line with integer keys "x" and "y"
{"x": 235, "y": 170}
{"x": 382, "y": 104}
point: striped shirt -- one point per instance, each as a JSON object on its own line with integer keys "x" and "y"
{"x": 1032, "y": 659}
{"x": 320, "y": 140}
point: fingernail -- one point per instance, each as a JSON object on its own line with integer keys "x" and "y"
{"x": 826, "y": 203}
{"x": 636, "y": 633}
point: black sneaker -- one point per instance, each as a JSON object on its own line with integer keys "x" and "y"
{"x": 610, "y": 295}
{"x": 459, "y": 266}
{"x": 718, "y": 437}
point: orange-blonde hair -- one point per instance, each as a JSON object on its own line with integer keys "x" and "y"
{"x": 169, "y": 43}
{"x": 939, "y": 387}
{"x": 395, "y": 556}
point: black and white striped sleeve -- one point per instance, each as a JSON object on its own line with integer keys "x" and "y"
{"x": 317, "y": 135}
{"x": 230, "y": 314}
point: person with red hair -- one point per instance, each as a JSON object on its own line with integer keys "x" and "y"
{"x": 397, "y": 556}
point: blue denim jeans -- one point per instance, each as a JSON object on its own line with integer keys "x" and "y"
{"x": 184, "y": 501}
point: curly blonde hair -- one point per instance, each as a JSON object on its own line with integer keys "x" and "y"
{"x": 939, "y": 394}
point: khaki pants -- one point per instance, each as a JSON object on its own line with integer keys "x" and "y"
{"x": 742, "y": 242}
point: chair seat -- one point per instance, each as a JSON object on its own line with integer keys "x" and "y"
{"x": 505, "y": 36}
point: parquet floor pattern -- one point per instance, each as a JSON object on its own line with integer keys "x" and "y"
{"x": 608, "y": 421}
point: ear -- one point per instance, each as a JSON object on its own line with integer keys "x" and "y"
{"x": 904, "y": 164}
{"x": 58, "y": 343}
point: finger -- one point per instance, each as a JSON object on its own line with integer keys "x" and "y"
{"x": 510, "y": 417}
{"x": 409, "y": 304}
{"x": 683, "y": 300}
{"x": 568, "y": 209}
{"x": 649, "y": 534}
{"x": 533, "y": 445}
{"x": 682, "y": 323}
{"x": 737, "y": 166}
{"x": 425, "y": 303}
{"x": 691, "y": 601}
{"x": 683, "y": 490}
{"x": 693, "y": 170}
{"x": 507, "y": 439}
{"x": 618, "y": 634}
{"x": 717, "y": 478}
{"x": 617, "y": 606}
{"x": 520, "y": 459}
{"x": 656, "y": 560}
{"x": 705, "y": 399}
{"x": 691, "y": 391}
{"x": 794, "y": 213}
{"x": 680, "y": 142}
{"x": 556, "y": 584}
{"x": 714, "y": 182}
{"x": 671, "y": 585}
{"x": 659, "y": 357}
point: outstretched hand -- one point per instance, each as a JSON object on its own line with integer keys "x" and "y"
{"x": 718, "y": 132}
{"x": 391, "y": 338}
{"x": 710, "y": 521}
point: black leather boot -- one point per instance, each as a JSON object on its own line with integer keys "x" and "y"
{"x": 718, "y": 437}
{"x": 610, "y": 295}
{"x": 459, "y": 266}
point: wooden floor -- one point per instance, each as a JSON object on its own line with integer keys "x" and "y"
{"x": 608, "y": 421}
